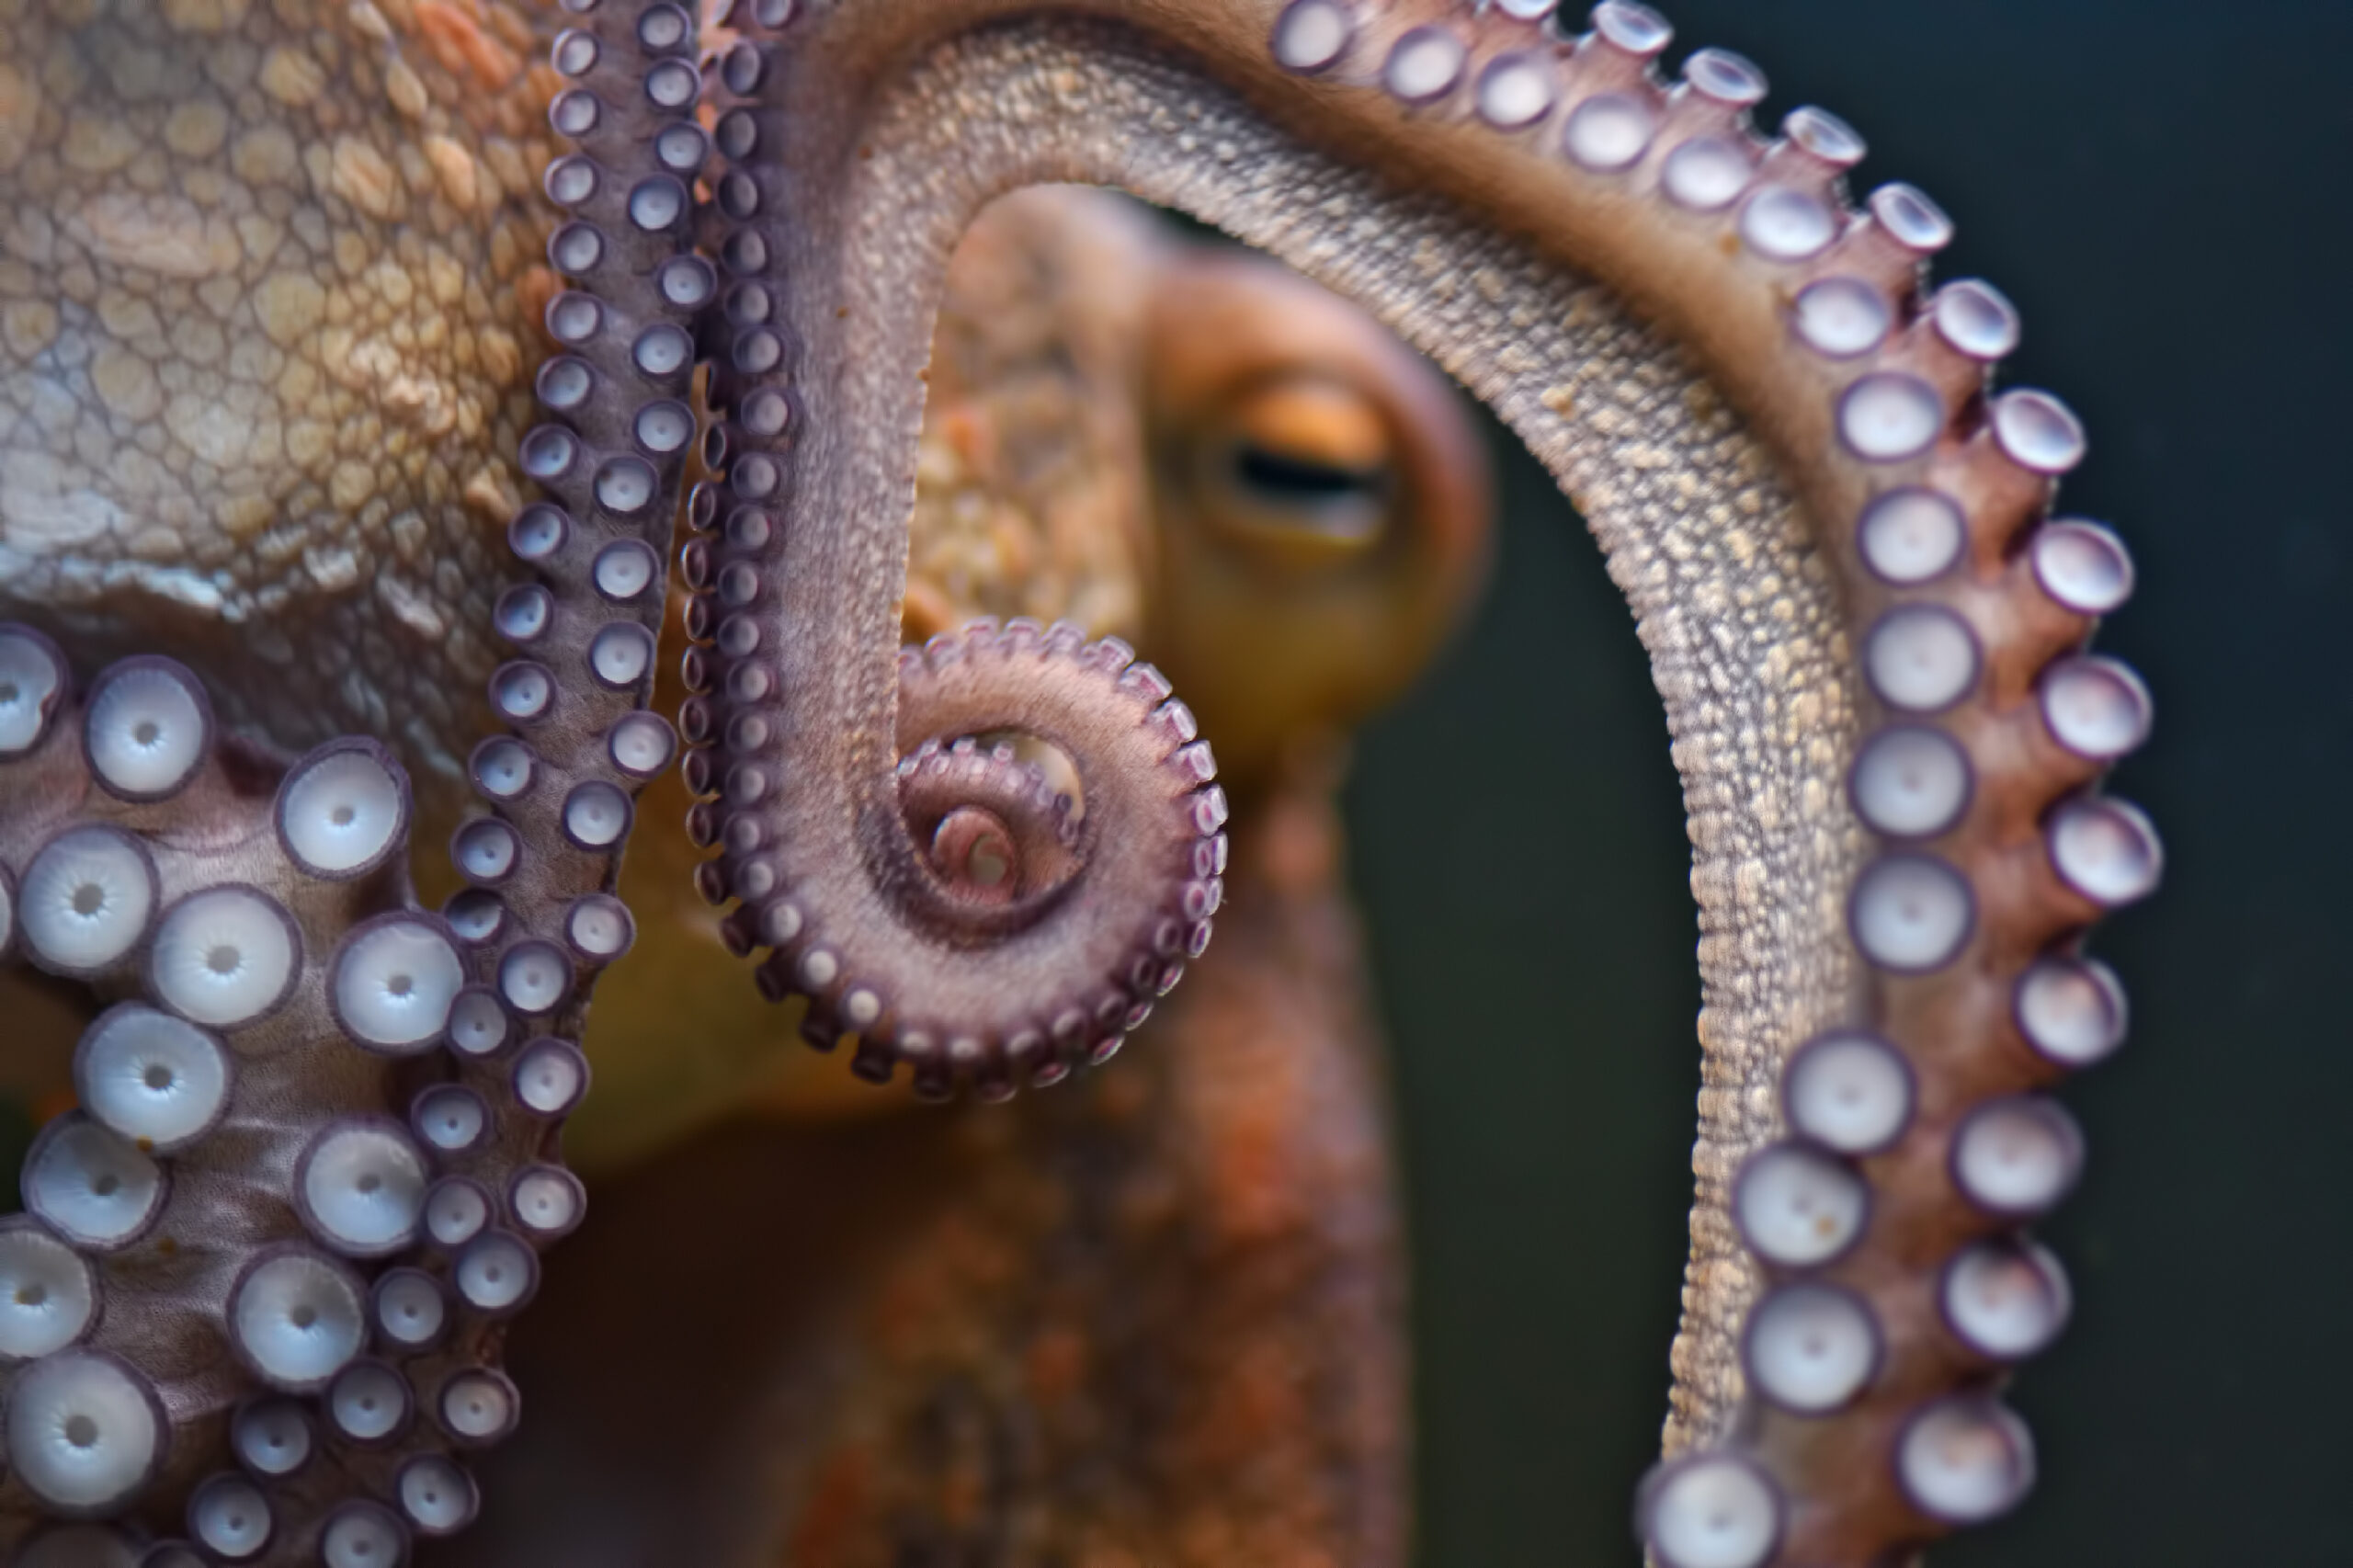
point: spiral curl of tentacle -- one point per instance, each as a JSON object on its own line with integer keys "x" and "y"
{"x": 260, "y": 1292}
{"x": 817, "y": 851}
{"x": 1149, "y": 852}
{"x": 1860, "y": 1282}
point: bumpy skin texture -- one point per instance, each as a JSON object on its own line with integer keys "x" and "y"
{"x": 269, "y": 287}
{"x": 1866, "y": 636}
{"x": 1006, "y": 428}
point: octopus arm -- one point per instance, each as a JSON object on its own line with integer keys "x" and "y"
{"x": 1830, "y": 529}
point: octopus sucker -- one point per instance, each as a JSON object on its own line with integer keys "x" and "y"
{"x": 267, "y": 1264}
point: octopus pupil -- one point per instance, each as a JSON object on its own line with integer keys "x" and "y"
{"x": 1298, "y": 479}
{"x": 89, "y": 898}
{"x": 81, "y": 1431}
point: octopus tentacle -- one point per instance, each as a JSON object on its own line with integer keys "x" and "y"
{"x": 237, "y": 1306}
{"x": 609, "y": 461}
{"x": 819, "y": 852}
{"x": 1868, "y": 639}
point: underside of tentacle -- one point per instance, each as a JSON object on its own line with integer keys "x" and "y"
{"x": 259, "y": 1296}
{"x": 1831, "y": 531}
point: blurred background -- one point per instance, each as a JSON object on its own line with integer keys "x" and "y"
{"x": 2165, "y": 190}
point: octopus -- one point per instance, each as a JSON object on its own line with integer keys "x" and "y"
{"x": 281, "y": 274}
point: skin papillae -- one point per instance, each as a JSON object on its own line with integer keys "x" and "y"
{"x": 1832, "y": 533}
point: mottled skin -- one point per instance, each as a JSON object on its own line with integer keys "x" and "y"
{"x": 1735, "y": 392}
{"x": 270, "y": 277}
{"x": 270, "y": 281}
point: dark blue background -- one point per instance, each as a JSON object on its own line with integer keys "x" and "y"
{"x": 2164, "y": 190}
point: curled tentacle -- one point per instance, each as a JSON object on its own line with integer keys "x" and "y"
{"x": 1868, "y": 641}
{"x": 816, "y": 848}
{"x": 994, "y": 831}
{"x": 240, "y": 1210}
{"x": 1106, "y": 913}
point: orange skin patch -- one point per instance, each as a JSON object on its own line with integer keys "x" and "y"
{"x": 461, "y": 46}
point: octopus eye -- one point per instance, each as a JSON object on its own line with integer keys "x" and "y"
{"x": 1306, "y": 463}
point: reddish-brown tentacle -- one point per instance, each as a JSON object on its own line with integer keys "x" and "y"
{"x": 793, "y": 720}
{"x": 1870, "y": 650}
